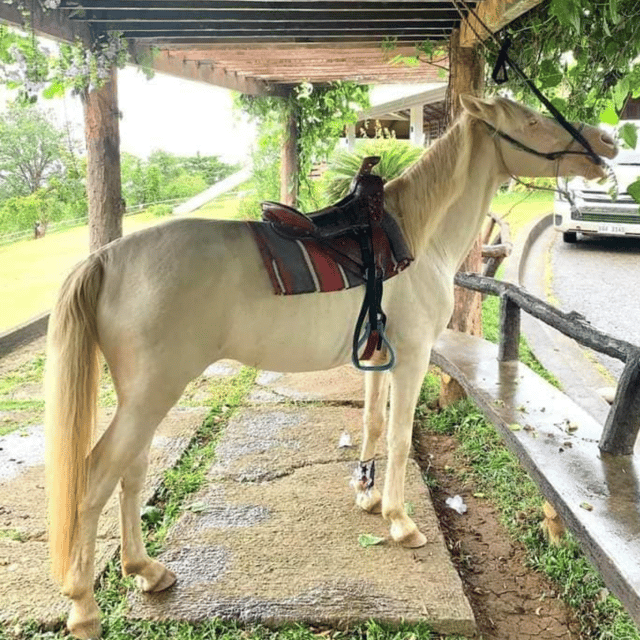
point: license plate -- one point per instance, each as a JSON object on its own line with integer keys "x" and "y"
{"x": 611, "y": 229}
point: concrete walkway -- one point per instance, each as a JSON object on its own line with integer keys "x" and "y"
{"x": 275, "y": 536}
{"x": 271, "y": 538}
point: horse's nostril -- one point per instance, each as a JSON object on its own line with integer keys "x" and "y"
{"x": 607, "y": 139}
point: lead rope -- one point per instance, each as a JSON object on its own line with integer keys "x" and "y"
{"x": 500, "y": 76}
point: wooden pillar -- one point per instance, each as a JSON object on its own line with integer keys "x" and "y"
{"x": 289, "y": 160}
{"x": 466, "y": 76}
{"x": 102, "y": 135}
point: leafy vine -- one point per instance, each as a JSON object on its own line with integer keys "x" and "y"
{"x": 321, "y": 113}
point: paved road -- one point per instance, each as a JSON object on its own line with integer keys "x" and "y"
{"x": 600, "y": 278}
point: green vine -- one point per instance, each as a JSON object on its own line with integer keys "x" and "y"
{"x": 583, "y": 54}
{"x": 321, "y": 112}
{"x": 428, "y": 52}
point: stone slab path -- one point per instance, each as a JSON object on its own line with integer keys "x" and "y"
{"x": 274, "y": 538}
{"x": 271, "y": 538}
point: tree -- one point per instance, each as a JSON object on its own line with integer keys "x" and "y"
{"x": 31, "y": 151}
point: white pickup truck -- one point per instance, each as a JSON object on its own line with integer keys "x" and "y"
{"x": 591, "y": 210}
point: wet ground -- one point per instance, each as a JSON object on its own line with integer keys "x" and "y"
{"x": 600, "y": 278}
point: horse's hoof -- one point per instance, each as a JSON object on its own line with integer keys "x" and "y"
{"x": 155, "y": 578}
{"x": 370, "y": 501}
{"x": 411, "y": 540}
{"x": 85, "y": 629}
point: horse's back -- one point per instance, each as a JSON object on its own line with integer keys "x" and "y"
{"x": 196, "y": 290}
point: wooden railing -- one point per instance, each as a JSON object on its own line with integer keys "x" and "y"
{"x": 623, "y": 421}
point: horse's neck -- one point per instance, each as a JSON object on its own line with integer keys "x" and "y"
{"x": 422, "y": 195}
{"x": 460, "y": 225}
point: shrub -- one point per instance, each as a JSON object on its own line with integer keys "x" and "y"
{"x": 395, "y": 157}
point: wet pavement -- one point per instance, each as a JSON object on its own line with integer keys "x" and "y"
{"x": 275, "y": 536}
{"x": 596, "y": 495}
{"x": 600, "y": 278}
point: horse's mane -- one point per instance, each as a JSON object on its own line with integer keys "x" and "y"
{"x": 422, "y": 194}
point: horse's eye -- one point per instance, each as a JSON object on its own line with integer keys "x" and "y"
{"x": 533, "y": 122}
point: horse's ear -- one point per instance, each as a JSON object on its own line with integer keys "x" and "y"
{"x": 479, "y": 107}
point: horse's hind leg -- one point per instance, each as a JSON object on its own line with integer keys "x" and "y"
{"x": 150, "y": 574}
{"x": 128, "y": 435}
{"x": 376, "y": 391}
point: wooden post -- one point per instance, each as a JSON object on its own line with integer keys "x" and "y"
{"x": 289, "y": 161}
{"x": 466, "y": 75}
{"x": 351, "y": 136}
{"x": 102, "y": 134}
{"x": 509, "y": 347}
{"x": 623, "y": 422}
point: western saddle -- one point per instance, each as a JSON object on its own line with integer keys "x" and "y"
{"x": 359, "y": 215}
{"x": 355, "y": 212}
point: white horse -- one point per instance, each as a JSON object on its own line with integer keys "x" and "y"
{"x": 164, "y": 303}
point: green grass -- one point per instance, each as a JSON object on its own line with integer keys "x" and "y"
{"x": 32, "y": 270}
{"x": 497, "y": 473}
{"x": 520, "y": 208}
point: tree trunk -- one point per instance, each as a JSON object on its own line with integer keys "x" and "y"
{"x": 466, "y": 75}
{"x": 289, "y": 161}
{"x": 102, "y": 135}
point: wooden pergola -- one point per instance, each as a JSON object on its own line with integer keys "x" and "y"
{"x": 259, "y": 47}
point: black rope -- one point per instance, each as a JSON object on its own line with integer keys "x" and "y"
{"x": 500, "y": 70}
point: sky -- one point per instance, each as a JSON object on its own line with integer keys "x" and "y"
{"x": 182, "y": 117}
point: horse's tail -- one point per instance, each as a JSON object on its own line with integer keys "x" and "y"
{"x": 71, "y": 385}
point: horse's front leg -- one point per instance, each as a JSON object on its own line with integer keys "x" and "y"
{"x": 376, "y": 391}
{"x": 406, "y": 380}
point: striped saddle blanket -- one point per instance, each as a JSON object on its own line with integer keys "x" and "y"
{"x": 312, "y": 265}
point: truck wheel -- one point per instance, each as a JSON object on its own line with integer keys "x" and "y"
{"x": 570, "y": 236}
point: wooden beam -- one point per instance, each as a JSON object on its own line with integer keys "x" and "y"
{"x": 312, "y": 13}
{"x": 50, "y": 23}
{"x": 496, "y": 14}
{"x": 260, "y": 5}
{"x": 208, "y": 73}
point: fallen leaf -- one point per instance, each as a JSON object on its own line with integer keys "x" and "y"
{"x": 515, "y": 427}
{"x": 367, "y": 540}
{"x": 587, "y": 506}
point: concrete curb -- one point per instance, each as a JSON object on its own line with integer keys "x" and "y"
{"x": 515, "y": 265}
{"x": 23, "y": 334}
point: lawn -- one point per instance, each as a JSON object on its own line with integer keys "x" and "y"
{"x": 33, "y": 270}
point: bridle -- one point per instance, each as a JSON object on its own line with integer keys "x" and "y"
{"x": 551, "y": 155}
{"x": 500, "y": 76}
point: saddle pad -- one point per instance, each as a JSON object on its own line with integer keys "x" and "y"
{"x": 310, "y": 265}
